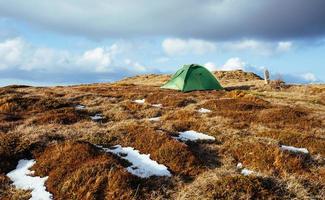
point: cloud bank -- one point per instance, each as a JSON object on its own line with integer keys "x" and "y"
{"x": 23, "y": 61}
{"x": 179, "y": 47}
{"x": 212, "y": 19}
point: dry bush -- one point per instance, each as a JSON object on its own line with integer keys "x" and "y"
{"x": 81, "y": 171}
{"x": 228, "y": 185}
{"x": 268, "y": 158}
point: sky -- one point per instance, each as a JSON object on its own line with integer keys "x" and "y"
{"x": 85, "y": 41}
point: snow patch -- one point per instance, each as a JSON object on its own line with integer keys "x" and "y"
{"x": 139, "y": 101}
{"x": 22, "y": 180}
{"x": 80, "y": 107}
{"x": 96, "y": 117}
{"x": 142, "y": 165}
{"x": 293, "y": 149}
{"x": 203, "y": 110}
{"x": 193, "y": 136}
{"x": 157, "y": 105}
{"x": 246, "y": 172}
{"x": 154, "y": 119}
{"x": 239, "y": 165}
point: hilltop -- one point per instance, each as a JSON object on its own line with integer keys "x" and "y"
{"x": 226, "y": 78}
{"x": 257, "y": 129}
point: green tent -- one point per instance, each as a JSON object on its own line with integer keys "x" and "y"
{"x": 193, "y": 77}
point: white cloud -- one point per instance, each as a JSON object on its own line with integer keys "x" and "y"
{"x": 233, "y": 64}
{"x": 211, "y": 66}
{"x": 247, "y": 45}
{"x": 135, "y": 66}
{"x": 99, "y": 58}
{"x": 258, "y": 47}
{"x": 11, "y": 52}
{"x": 310, "y": 77}
{"x": 44, "y": 59}
{"x": 176, "y": 46}
{"x": 17, "y": 54}
{"x": 284, "y": 46}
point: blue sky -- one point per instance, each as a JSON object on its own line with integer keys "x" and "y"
{"x": 71, "y": 42}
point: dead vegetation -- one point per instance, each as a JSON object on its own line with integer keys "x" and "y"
{"x": 227, "y": 185}
{"x": 249, "y": 127}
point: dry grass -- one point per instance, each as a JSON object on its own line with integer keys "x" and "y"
{"x": 81, "y": 171}
{"x": 161, "y": 147}
{"x": 268, "y": 158}
{"x": 249, "y": 120}
{"x": 229, "y": 185}
{"x": 8, "y": 192}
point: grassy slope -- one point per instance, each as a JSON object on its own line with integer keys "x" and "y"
{"x": 249, "y": 120}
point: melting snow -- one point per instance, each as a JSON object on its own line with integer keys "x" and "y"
{"x": 294, "y": 149}
{"x": 203, "y": 110}
{"x": 157, "y": 105}
{"x": 246, "y": 172}
{"x": 22, "y": 180}
{"x": 139, "y": 101}
{"x": 142, "y": 165}
{"x": 97, "y": 117}
{"x": 80, "y": 107}
{"x": 154, "y": 119}
{"x": 193, "y": 136}
{"x": 239, "y": 166}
